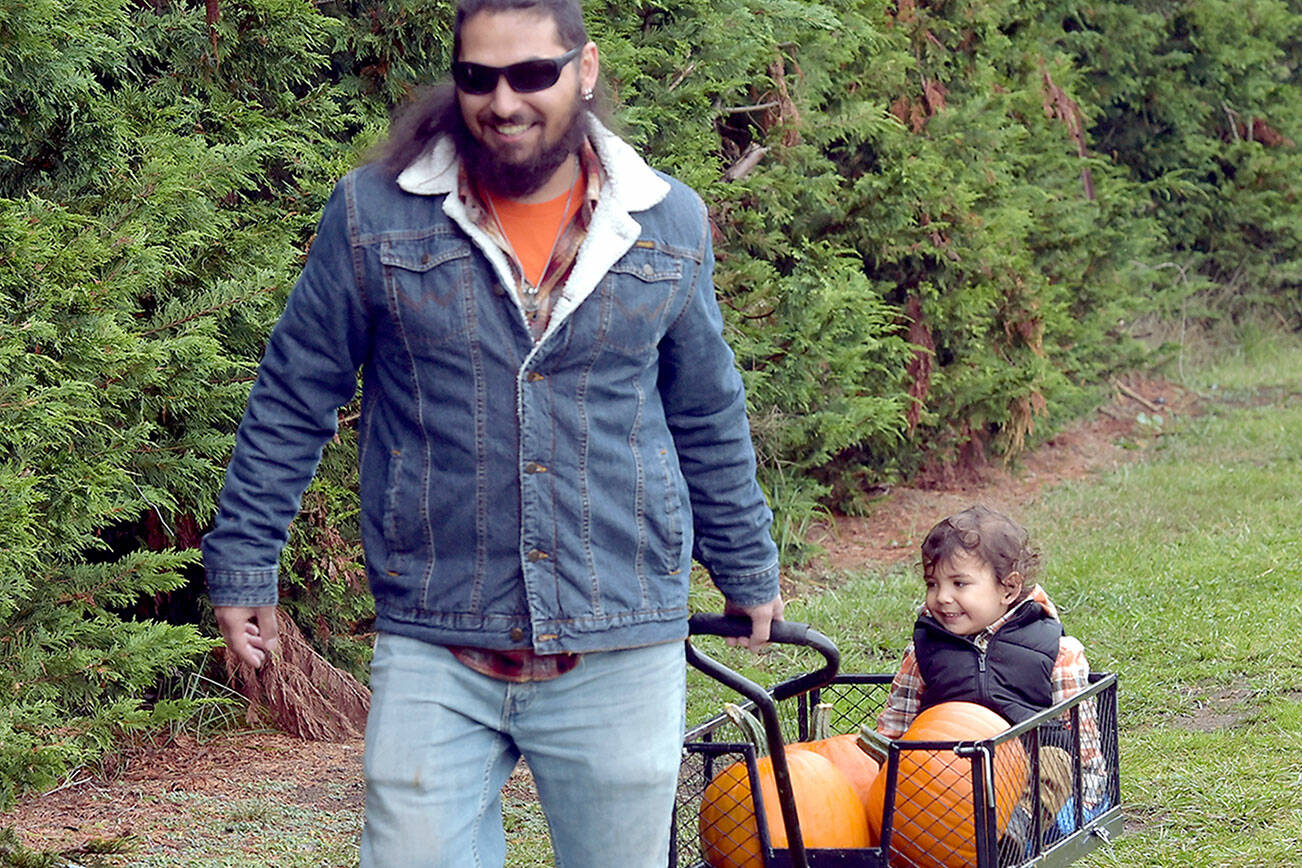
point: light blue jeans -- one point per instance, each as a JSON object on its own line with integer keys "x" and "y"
{"x": 603, "y": 742}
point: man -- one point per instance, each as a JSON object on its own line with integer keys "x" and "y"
{"x": 552, "y": 426}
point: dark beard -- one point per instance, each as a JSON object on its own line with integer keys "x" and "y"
{"x": 515, "y": 180}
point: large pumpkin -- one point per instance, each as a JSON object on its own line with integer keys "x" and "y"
{"x": 933, "y": 823}
{"x": 830, "y": 812}
{"x": 843, "y": 751}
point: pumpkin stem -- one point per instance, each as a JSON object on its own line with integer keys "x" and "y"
{"x": 820, "y": 722}
{"x": 874, "y": 744}
{"x": 750, "y": 727}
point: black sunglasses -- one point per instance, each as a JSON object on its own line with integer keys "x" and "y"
{"x": 529, "y": 76}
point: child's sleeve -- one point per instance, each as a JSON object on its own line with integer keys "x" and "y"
{"x": 904, "y": 699}
{"x": 1071, "y": 671}
{"x": 1071, "y": 675}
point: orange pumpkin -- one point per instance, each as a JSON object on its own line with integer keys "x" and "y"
{"x": 933, "y": 822}
{"x": 830, "y": 812}
{"x": 844, "y": 752}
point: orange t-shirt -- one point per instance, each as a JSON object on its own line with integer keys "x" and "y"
{"x": 534, "y": 227}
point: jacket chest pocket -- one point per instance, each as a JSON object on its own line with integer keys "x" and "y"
{"x": 636, "y": 296}
{"x": 430, "y": 290}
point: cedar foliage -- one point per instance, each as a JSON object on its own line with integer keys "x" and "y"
{"x": 155, "y": 205}
{"x": 937, "y": 222}
{"x": 297, "y": 691}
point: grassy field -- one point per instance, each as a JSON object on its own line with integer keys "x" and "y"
{"x": 1181, "y": 572}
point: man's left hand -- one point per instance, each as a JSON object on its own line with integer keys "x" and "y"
{"x": 761, "y": 617}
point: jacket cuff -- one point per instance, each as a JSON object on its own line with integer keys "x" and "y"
{"x": 251, "y": 588}
{"x": 749, "y": 589}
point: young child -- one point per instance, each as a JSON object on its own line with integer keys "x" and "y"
{"x": 989, "y": 634}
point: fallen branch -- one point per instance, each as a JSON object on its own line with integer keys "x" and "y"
{"x": 73, "y": 781}
{"x": 299, "y": 692}
{"x": 1131, "y": 393}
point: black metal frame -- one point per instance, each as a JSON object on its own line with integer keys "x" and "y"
{"x": 795, "y": 697}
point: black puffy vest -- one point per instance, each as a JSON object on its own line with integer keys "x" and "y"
{"x": 1014, "y": 675}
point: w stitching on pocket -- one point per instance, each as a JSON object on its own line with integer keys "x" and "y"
{"x": 418, "y": 260}
{"x": 660, "y": 269}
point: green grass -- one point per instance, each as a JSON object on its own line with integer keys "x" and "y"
{"x": 1182, "y": 573}
{"x": 213, "y": 833}
{"x": 265, "y": 828}
{"x": 526, "y": 831}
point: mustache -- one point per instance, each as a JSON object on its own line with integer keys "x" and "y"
{"x": 488, "y": 117}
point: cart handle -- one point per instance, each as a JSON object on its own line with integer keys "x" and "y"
{"x": 783, "y": 632}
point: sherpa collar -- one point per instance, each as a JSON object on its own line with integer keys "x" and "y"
{"x": 632, "y": 185}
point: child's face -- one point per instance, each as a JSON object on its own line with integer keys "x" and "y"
{"x": 964, "y": 596}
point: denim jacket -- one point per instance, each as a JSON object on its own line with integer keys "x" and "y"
{"x": 514, "y": 494}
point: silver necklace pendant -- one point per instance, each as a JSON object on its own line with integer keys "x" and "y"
{"x": 529, "y": 294}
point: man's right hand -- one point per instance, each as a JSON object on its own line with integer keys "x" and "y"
{"x": 251, "y": 633}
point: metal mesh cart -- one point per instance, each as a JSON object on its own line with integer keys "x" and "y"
{"x": 948, "y": 803}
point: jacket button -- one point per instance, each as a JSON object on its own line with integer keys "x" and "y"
{"x": 534, "y": 377}
{"x": 647, "y": 269}
{"x": 534, "y": 556}
{"x": 425, "y": 260}
{"x": 516, "y": 634}
{"x": 534, "y": 467}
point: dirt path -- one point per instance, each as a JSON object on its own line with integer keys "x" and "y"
{"x": 189, "y": 802}
{"x": 1120, "y": 431}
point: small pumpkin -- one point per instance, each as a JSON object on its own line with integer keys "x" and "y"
{"x": 829, "y": 810}
{"x": 933, "y": 821}
{"x": 842, "y": 750}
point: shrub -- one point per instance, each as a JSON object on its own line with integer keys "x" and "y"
{"x": 935, "y": 225}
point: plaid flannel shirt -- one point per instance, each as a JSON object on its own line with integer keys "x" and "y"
{"x": 567, "y": 246}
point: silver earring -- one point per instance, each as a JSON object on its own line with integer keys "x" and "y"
{"x": 587, "y": 95}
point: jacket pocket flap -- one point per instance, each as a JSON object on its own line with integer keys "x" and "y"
{"x": 649, "y": 266}
{"x": 419, "y": 255}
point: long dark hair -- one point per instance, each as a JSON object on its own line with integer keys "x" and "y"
{"x": 433, "y": 112}
{"x": 430, "y": 114}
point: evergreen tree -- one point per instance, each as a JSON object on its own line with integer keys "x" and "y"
{"x": 1200, "y": 101}
{"x": 935, "y": 221}
{"x": 160, "y": 178}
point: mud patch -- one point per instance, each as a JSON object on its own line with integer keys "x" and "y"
{"x": 1217, "y": 709}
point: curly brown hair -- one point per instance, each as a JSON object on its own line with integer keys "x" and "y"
{"x": 989, "y": 535}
